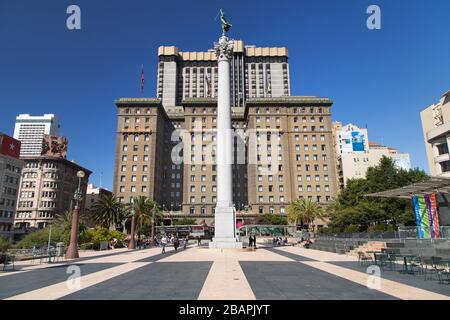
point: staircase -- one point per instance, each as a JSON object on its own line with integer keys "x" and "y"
{"x": 366, "y": 247}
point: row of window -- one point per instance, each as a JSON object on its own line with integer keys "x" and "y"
{"x": 11, "y": 180}
{"x": 7, "y": 202}
{"x": 12, "y": 168}
{"x": 312, "y": 119}
{"x": 5, "y": 227}
{"x": 6, "y": 214}
{"x": 9, "y": 191}
{"x": 135, "y": 158}
{"x": 296, "y": 110}
{"x": 271, "y": 168}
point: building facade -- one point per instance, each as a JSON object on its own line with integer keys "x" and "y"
{"x": 254, "y": 73}
{"x": 10, "y": 169}
{"x": 47, "y": 188}
{"x": 436, "y": 131}
{"x": 30, "y": 130}
{"x": 283, "y": 150}
{"x": 355, "y": 154}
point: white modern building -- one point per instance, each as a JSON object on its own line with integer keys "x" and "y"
{"x": 355, "y": 153}
{"x": 30, "y": 130}
{"x": 436, "y": 131}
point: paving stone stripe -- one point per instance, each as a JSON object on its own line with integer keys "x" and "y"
{"x": 65, "y": 288}
{"x": 393, "y": 288}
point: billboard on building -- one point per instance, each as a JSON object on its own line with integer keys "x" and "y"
{"x": 9, "y": 146}
{"x": 54, "y": 146}
{"x": 353, "y": 141}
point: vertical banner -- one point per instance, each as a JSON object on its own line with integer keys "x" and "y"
{"x": 429, "y": 215}
{"x": 416, "y": 207}
{"x": 435, "y": 215}
{"x": 424, "y": 226}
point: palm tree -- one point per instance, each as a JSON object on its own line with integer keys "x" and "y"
{"x": 108, "y": 211}
{"x": 141, "y": 217}
{"x": 304, "y": 212}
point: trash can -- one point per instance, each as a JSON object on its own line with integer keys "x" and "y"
{"x": 60, "y": 249}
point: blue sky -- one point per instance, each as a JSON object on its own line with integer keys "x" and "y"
{"x": 381, "y": 79}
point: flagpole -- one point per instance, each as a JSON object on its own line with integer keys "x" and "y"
{"x": 142, "y": 80}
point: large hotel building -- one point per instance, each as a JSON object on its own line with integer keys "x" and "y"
{"x": 165, "y": 146}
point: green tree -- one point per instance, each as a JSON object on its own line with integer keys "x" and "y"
{"x": 4, "y": 244}
{"x": 304, "y": 212}
{"x": 352, "y": 207}
{"x": 39, "y": 238}
{"x": 143, "y": 214}
{"x": 108, "y": 211}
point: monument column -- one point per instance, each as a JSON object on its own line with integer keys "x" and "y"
{"x": 225, "y": 221}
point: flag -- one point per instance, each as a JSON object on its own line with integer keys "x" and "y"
{"x": 142, "y": 79}
{"x": 9, "y": 146}
{"x": 435, "y": 215}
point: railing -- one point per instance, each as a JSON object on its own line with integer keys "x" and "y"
{"x": 402, "y": 233}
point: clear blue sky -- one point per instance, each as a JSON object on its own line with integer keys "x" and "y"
{"x": 379, "y": 78}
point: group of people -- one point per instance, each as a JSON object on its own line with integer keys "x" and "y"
{"x": 280, "y": 241}
{"x": 174, "y": 240}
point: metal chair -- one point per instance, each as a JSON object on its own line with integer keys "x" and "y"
{"x": 364, "y": 259}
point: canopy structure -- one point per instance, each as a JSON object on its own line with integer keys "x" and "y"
{"x": 434, "y": 184}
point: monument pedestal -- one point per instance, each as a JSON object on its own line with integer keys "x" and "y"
{"x": 225, "y": 229}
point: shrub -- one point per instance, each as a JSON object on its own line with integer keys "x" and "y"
{"x": 40, "y": 238}
{"x": 4, "y": 244}
{"x": 91, "y": 238}
{"x": 351, "y": 229}
{"x": 381, "y": 228}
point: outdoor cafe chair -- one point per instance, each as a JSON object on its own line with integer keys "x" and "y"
{"x": 364, "y": 259}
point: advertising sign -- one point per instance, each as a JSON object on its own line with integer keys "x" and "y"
{"x": 352, "y": 141}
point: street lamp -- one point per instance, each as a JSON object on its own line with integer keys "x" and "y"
{"x": 132, "y": 242}
{"x": 72, "y": 251}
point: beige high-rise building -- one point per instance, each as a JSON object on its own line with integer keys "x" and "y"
{"x": 283, "y": 151}
{"x": 255, "y": 73}
{"x": 436, "y": 131}
{"x": 47, "y": 188}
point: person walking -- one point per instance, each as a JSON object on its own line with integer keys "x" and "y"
{"x": 254, "y": 241}
{"x": 163, "y": 244}
{"x": 250, "y": 241}
{"x": 176, "y": 243}
{"x": 185, "y": 241}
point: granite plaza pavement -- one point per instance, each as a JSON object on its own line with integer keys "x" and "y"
{"x": 286, "y": 273}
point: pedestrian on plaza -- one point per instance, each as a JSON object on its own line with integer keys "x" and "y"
{"x": 163, "y": 244}
{"x": 254, "y": 241}
{"x": 199, "y": 241}
{"x": 176, "y": 243}
{"x": 185, "y": 243}
{"x": 250, "y": 241}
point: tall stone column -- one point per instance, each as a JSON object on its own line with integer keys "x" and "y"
{"x": 225, "y": 220}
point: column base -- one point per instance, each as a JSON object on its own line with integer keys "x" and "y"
{"x": 225, "y": 243}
